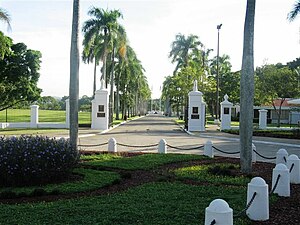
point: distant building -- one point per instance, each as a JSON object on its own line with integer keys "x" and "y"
{"x": 290, "y": 111}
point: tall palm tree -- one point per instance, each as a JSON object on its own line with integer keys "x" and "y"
{"x": 4, "y": 16}
{"x": 74, "y": 75}
{"x": 182, "y": 49}
{"x": 92, "y": 52}
{"x": 102, "y": 24}
{"x": 247, "y": 90}
{"x": 295, "y": 11}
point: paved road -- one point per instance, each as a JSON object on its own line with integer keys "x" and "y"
{"x": 151, "y": 129}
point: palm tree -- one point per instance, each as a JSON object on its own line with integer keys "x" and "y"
{"x": 182, "y": 49}
{"x": 247, "y": 90}
{"x": 295, "y": 11}
{"x": 74, "y": 75}
{"x": 91, "y": 54}
{"x": 4, "y": 16}
{"x": 102, "y": 24}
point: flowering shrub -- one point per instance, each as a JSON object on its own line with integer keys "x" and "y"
{"x": 28, "y": 160}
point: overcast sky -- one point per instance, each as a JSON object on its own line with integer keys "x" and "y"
{"x": 151, "y": 26}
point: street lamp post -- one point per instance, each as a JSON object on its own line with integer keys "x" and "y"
{"x": 217, "y": 78}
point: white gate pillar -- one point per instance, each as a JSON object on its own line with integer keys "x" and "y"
{"x": 34, "y": 116}
{"x": 226, "y": 113}
{"x": 196, "y": 110}
{"x": 263, "y": 118}
{"x": 100, "y": 111}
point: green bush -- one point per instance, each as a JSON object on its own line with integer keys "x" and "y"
{"x": 28, "y": 160}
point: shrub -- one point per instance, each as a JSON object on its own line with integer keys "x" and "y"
{"x": 30, "y": 160}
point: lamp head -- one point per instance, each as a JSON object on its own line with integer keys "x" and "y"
{"x": 219, "y": 26}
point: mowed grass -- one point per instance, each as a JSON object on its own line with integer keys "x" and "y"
{"x": 140, "y": 162}
{"x": 91, "y": 180}
{"x": 56, "y": 116}
{"x": 154, "y": 203}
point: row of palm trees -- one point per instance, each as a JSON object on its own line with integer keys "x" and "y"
{"x": 105, "y": 41}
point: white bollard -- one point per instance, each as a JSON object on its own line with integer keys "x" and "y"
{"x": 283, "y": 186}
{"x": 162, "y": 146}
{"x": 294, "y": 161}
{"x": 208, "y": 150}
{"x": 219, "y": 211}
{"x": 253, "y": 153}
{"x": 281, "y": 156}
{"x": 259, "y": 209}
{"x": 112, "y": 145}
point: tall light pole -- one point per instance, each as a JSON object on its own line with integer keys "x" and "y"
{"x": 217, "y": 105}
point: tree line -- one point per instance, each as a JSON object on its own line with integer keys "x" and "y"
{"x": 193, "y": 62}
{"x": 106, "y": 46}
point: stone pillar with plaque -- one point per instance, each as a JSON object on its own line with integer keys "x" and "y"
{"x": 100, "y": 111}
{"x": 226, "y": 114}
{"x": 196, "y": 111}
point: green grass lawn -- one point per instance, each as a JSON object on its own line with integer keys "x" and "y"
{"x": 144, "y": 162}
{"x": 56, "y": 116}
{"x": 159, "y": 202}
{"x": 92, "y": 179}
{"x": 154, "y": 203}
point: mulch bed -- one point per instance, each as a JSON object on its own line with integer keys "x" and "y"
{"x": 285, "y": 211}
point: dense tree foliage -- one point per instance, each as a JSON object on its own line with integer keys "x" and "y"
{"x": 105, "y": 40}
{"x": 19, "y": 74}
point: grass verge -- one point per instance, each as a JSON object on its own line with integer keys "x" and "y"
{"x": 141, "y": 162}
{"x": 145, "y": 204}
{"x": 92, "y": 179}
{"x": 211, "y": 174}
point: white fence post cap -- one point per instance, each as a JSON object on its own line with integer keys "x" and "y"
{"x": 219, "y": 206}
{"x": 258, "y": 181}
{"x": 282, "y": 151}
{"x": 281, "y": 167}
{"x": 293, "y": 157}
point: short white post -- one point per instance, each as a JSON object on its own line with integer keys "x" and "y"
{"x": 67, "y": 113}
{"x": 162, "y": 146}
{"x": 253, "y": 153}
{"x": 294, "y": 161}
{"x": 34, "y": 116}
{"x": 281, "y": 156}
{"x": 259, "y": 209}
{"x": 219, "y": 211}
{"x": 208, "y": 150}
{"x": 112, "y": 145}
{"x": 283, "y": 186}
{"x": 262, "y": 118}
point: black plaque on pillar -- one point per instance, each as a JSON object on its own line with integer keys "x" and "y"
{"x": 226, "y": 111}
{"x": 100, "y": 114}
{"x": 195, "y": 116}
{"x": 100, "y": 108}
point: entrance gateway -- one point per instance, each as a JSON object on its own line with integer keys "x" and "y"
{"x": 196, "y": 111}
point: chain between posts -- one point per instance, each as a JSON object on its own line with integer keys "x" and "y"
{"x": 263, "y": 156}
{"x": 247, "y": 206}
{"x": 224, "y": 151}
{"x": 292, "y": 167}
{"x": 137, "y": 146}
{"x": 179, "y": 148}
{"x": 276, "y": 183}
{"x": 96, "y": 145}
{"x": 284, "y": 158}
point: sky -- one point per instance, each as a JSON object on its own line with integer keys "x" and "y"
{"x": 151, "y": 26}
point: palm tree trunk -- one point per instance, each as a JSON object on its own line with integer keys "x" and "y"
{"x": 117, "y": 97}
{"x": 74, "y": 75}
{"x": 95, "y": 73}
{"x": 112, "y": 78}
{"x": 247, "y": 90}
